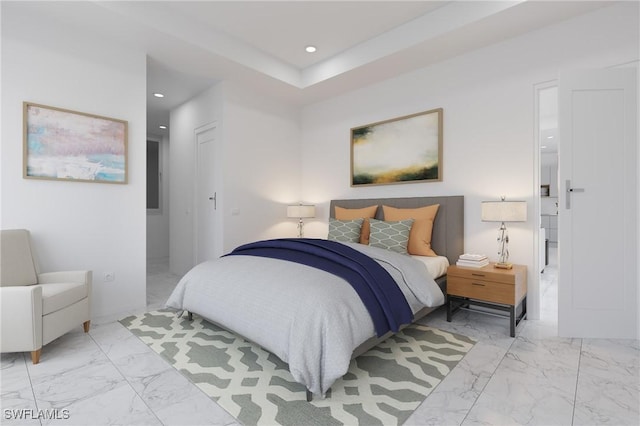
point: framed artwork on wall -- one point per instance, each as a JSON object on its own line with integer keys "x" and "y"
{"x": 399, "y": 150}
{"x": 61, "y": 144}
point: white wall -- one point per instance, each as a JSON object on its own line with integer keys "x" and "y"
{"x": 262, "y": 175}
{"x": 487, "y": 98}
{"x": 257, "y": 175}
{"x": 76, "y": 225}
{"x": 489, "y": 138}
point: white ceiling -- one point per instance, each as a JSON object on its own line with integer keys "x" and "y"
{"x": 260, "y": 44}
{"x": 283, "y": 29}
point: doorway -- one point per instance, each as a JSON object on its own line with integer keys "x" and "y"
{"x": 160, "y": 282}
{"x": 547, "y": 149}
{"x": 598, "y": 145}
{"x": 597, "y": 106}
{"x": 207, "y": 236}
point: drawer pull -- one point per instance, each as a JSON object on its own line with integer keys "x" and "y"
{"x": 479, "y": 284}
{"x": 477, "y": 275}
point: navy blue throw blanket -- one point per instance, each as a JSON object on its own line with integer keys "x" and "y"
{"x": 378, "y": 290}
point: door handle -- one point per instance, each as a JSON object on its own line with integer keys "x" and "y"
{"x": 215, "y": 200}
{"x": 570, "y": 190}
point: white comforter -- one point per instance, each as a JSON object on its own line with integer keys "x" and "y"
{"x": 309, "y": 318}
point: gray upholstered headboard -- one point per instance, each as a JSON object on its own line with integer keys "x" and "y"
{"x": 448, "y": 229}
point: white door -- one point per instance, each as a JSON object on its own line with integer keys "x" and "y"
{"x": 598, "y": 162}
{"x": 206, "y": 197}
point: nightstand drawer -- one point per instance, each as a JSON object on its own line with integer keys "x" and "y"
{"x": 482, "y": 290}
{"x": 484, "y": 274}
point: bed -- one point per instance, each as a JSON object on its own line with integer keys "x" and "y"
{"x": 312, "y": 319}
{"x": 447, "y": 237}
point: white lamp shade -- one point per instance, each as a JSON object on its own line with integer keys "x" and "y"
{"x": 301, "y": 211}
{"x": 504, "y": 211}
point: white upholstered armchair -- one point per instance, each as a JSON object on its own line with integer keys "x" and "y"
{"x": 37, "y": 307}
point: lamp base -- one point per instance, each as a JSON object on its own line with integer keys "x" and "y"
{"x": 503, "y": 265}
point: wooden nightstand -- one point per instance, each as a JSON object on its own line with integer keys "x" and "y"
{"x": 489, "y": 287}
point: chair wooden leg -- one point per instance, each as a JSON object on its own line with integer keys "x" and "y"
{"x": 86, "y": 326}
{"x": 35, "y": 356}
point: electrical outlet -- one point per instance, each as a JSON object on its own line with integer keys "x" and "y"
{"x": 109, "y": 276}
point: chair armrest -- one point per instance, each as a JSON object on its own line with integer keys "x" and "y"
{"x": 65, "y": 277}
{"x": 21, "y": 315}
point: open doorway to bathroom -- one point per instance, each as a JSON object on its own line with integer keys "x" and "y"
{"x": 160, "y": 281}
{"x": 548, "y": 234}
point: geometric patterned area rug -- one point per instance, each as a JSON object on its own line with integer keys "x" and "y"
{"x": 382, "y": 387}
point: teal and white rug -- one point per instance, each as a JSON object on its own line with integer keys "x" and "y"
{"x": 382, "y": 387}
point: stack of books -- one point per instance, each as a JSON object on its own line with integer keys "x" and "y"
{"x": 472, "y": 260}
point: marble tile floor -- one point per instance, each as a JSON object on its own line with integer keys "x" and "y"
{"x": 109, "y": 377}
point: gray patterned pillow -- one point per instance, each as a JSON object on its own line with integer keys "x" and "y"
{"x": 390, "y": 235}
{"x": 345, "y": 230}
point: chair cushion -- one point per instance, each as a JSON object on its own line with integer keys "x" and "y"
{"x": 16, "y": 260}
{"x": 56, "y": 296}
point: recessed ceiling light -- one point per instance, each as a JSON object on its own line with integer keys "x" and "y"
{"x": 543, "y": 147}
{"x": 310, "y": 49}
{"x": 158, "y": 95}
{"x": 163, "y": 127}
{"x": 550, "y": 137}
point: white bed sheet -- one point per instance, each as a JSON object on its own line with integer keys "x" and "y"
{"x": 309, "y": 318}
{"x": 436, "y": 265}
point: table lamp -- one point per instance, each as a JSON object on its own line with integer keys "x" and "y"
{"x": 301, "y": 211}
{"x": 504, "y": 211}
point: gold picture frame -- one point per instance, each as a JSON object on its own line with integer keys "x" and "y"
{"x": 61, "y": 144}
{"x": 406, "y": 149}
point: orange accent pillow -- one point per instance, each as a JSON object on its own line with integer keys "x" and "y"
{"x": 366, "y": 213}
{"x": 420, "y": 235}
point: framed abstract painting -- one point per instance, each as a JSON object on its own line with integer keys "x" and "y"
{"x": 399, "y": 150}
{"x": 61, "y": 144}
